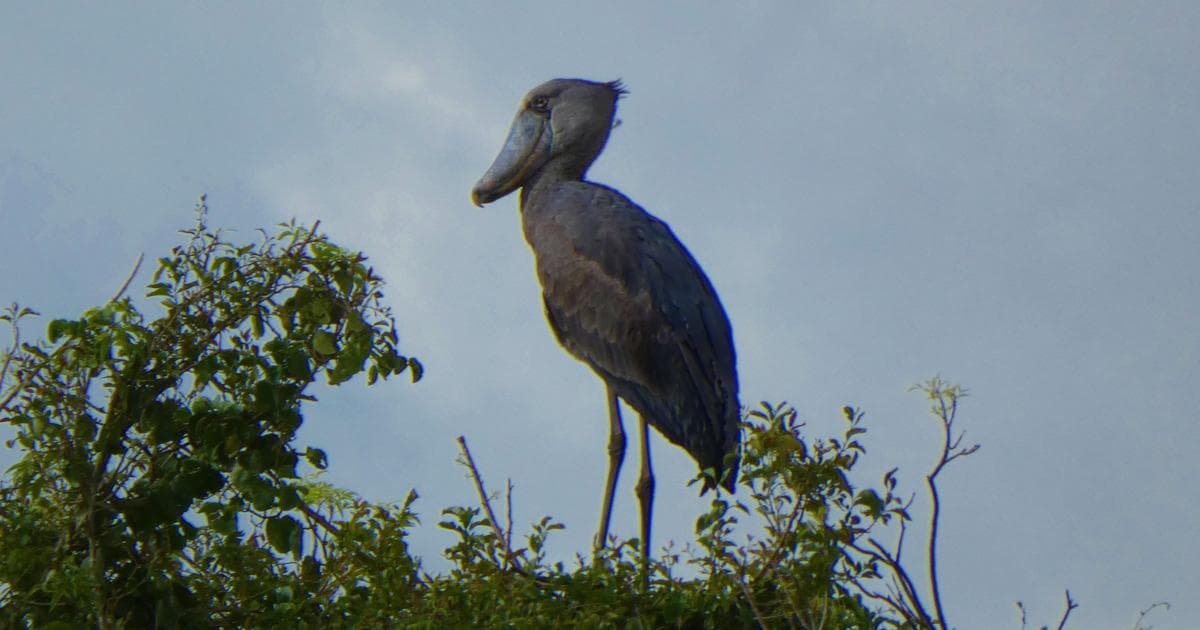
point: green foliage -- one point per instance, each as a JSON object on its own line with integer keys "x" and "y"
{"x": 159, "y": 453}
{"x": 160, "y": 484}
{"x": 798, "y": 570}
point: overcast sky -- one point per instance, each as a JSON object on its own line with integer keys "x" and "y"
{"x": 880, "y": 192}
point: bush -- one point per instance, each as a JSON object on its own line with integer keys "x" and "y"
{"x": 159, "y": 481}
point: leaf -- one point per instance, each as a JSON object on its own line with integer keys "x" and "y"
{"x": 872, "y": 504}
{"x": 418, "y": 370}
{"x": 196, "y": 479}
{"x": 324, "y": 343}
{"x": 256, "y": 324}
{"x": 316, "y": 457}
{"x": 158, "y": 289}
{"x": 57, "y": 328}
{"x": 85, "y": 427}
{"x": 289, "y": 497}
{"x": 343, "y": 280}
{"x": 221, "y": 517}
{"x": 285, "y": 534}
{"x": 257, "y": 490}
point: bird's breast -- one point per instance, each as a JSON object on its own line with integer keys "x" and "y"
{"x": 596, "y": 316}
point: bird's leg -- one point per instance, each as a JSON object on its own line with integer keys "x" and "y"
{"x": 645, "y": 494}
{"x": 616, "y": 455}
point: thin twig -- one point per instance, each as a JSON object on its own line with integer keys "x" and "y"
{"x": 1021, "y": 607}
{"x": 508, "y": 526}
{"x": 903, "y": 531}
{"x": 935, "y": 511}
{"x": 319, "y": 518}
{"x": 1071, "y": 605}
{"x": 29, "y": 376}
{"x": 903, "y": 581}
{"x": 16, "y": 343}
{"x": 951, "y": 450}
{"x": 762, "y": 623}
{"x": 483, "y": 499}
{"x": 137, "y": 265}
{"x": 1142, "y": 615}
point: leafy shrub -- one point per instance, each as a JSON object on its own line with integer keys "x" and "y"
{"x": 133, "y": 432}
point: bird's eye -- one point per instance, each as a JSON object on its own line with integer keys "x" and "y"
{"x": 540, "y": 104}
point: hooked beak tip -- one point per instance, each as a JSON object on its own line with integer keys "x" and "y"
{"x": 479, "y": 198}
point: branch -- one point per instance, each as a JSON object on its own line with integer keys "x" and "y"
{"x": 762, "y": 622}
{"x": 16, "y": 342}
{"x": 508, "y": 530}
{"x": 903, "y": 530}
{"x": 1071, "y": 605}
{"x": 319, "y": 518}
{"x": 935, "y": 512}
{"x": 1142, "y": 615}
{"x": 487, "y": 504}
{"x": 137, "y": 265}
{"x": 946, "y": 409}
{"x": 902, "y": 597}
{"x": 907, "y": 589}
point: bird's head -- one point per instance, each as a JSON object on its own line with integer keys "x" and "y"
{"x": 561, "y": 127}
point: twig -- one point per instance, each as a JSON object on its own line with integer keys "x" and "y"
{"x": 1071, "y": 605}
{"x": 1142, "y": 615}
{"x": 904, "y": 584}
{"x": 1021, "y": 607}
{"x": 903, "y": 530}
{"x": 319, "y": 518}
{"x": 483, "y": 499}
{"x": 762, "y": 623}
{"x": 938, "y": 390}
{"x": 137, "y": 265}
{"x": 30, "y": 374}
{"x": 933, "y": 532}
{"x": 508, "y": 526}
{"x": 16, "y": 342}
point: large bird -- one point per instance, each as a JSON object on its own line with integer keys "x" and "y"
{"x": 622, "y": 294}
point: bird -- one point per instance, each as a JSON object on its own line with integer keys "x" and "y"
{"x": 621, "y": 293}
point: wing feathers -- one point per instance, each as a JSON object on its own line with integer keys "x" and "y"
{"x": 625, "y": 296}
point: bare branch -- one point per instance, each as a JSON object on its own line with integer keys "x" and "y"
{"x": 1071, "y": 605}
{"x": 318, "y": 518}
{"x": 946, "y": 409}
{"x": 935, "y": 512}
{"x": 906, "y": 590}
{"x": 487, "y": 504}
{"x": 16, "y": 342}
{"x": 1142, "y": 615}
{"x": 508, "y": 524}
{"x": 903, "y": 530}
{"x": 137, "y": 265}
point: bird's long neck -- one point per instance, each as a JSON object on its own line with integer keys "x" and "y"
{"x": 553, "y": 173}
{"x": 570, "y": 163}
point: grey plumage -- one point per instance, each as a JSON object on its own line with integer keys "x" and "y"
{"x": 621, "y": 292}
{"x": 624, "y": 296}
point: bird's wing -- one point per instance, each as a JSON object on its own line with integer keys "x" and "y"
{"x": 624, "y": 295}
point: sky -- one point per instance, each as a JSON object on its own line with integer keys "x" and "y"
{"x": 1005, "y": 194}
